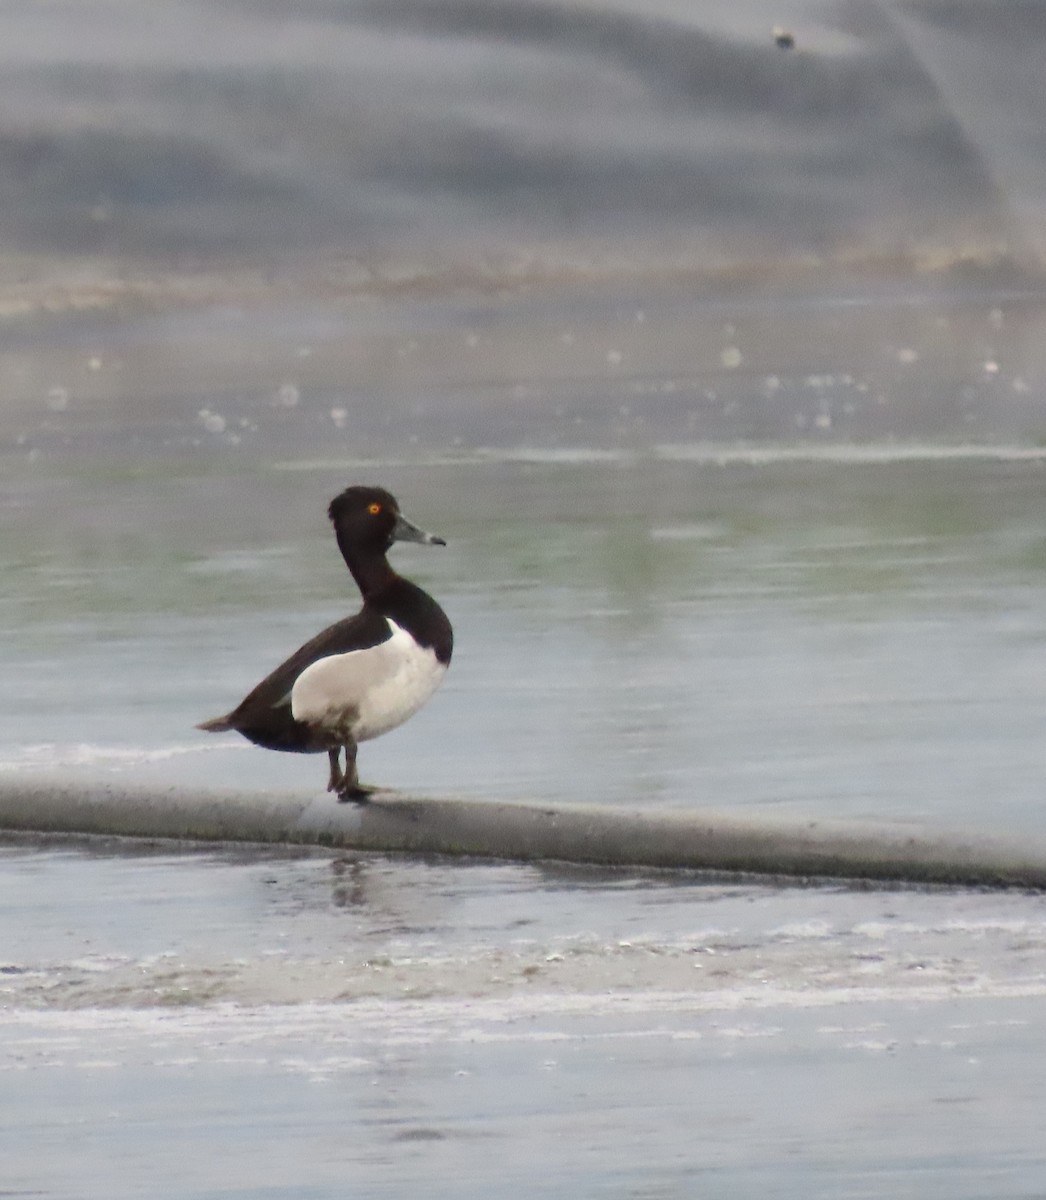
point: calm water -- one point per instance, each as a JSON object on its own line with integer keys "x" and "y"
{"x": 838, "y": 633}
{"x": 720, "y": 368}
{"x": 259, "y": 1025}
{"x": 843, "y": 638}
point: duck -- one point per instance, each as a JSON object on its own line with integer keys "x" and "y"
{"x": 363, "y": 675}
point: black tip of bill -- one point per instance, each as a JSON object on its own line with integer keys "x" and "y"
{"x": 405, "y": 531}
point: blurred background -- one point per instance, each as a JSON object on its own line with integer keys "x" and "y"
{"x": 353, "y": 224}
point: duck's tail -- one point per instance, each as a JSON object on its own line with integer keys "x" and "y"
{"x": 216, "y": 725}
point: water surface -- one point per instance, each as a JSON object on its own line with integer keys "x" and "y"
{"x": 839, "y": 638}
{"x": 260, "y": 1024}
{"x": 836, "y": 633}
{"x": 721, "y": 371}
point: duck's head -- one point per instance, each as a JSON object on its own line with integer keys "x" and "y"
{"x": 369, "y": 518}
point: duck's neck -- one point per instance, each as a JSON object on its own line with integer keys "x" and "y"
{"x": 369, "y": 568}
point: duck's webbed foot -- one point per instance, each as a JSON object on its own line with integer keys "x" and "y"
{"x": 349, "y": 786}
{"x": 358, "y": 794}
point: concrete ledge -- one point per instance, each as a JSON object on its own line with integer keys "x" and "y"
{"x": 698, "y": 839}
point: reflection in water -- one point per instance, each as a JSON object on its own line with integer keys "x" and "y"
{"x": 350, "y": 886}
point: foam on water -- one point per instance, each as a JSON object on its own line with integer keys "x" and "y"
{"x": 348, "y": 932}
{"x": 870, "y": 453}
{"x": 232, "y": 1031}
{"x": 269, "y": 1020}
{"x": 50, "y": 756}
{"x": 698, "y": 453}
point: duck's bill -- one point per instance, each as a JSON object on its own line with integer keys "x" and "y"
{"x": 404, "y": 531}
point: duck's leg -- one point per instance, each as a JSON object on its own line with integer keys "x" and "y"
{"x": 350, "y": 788}
{"x": 337, "y": 775}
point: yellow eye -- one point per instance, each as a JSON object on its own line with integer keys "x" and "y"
{"x": 374, "y": 509}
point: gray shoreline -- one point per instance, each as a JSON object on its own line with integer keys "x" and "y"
{"x": 684, "y": 840}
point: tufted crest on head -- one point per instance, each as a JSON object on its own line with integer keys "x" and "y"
{"x": 362, "y": 501}
{"x": 364, "y": 517}
{"x": 367, "y": 520}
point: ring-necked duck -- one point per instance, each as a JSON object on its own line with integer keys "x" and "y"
{"x": 366, "y": 674}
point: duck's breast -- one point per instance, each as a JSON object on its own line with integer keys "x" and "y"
{"x": 365, "y": 693}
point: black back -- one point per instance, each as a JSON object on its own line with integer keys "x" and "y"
{"x": 364, "y": 521}
{"x": 264, "y": 714}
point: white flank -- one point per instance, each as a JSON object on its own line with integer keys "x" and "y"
{"x": 365, "y": 693}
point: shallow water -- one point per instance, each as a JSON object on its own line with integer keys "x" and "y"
{"x": 836, "y": 632}
{"x": 258, "y": 1024}
{"x": 840, "y": 638}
